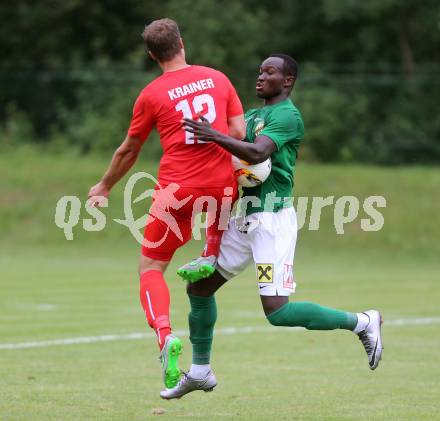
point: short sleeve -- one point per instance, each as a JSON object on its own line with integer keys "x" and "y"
{"x": 142, "y": 121}
{"x": 235, "y": 108}
{"x": 283, "y": 126}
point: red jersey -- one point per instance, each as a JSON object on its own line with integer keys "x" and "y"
{"x": 165, "y": 101}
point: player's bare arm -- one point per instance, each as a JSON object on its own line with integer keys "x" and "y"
{"x": 254, "y": 153}
{"x": 237, "y": 127}
{"x": 123, "y": 159}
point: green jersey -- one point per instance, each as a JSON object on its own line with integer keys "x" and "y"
{"x": 283, "y": 124}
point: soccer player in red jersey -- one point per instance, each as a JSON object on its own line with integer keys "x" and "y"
{"x": 189, "y": 171}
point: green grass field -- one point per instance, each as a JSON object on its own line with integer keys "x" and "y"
{"x": 54, "y": 289}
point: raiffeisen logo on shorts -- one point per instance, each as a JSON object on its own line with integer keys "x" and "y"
{"x": 346, "y": 210}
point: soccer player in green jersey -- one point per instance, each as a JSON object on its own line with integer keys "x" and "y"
{"x": 266, "y": 233}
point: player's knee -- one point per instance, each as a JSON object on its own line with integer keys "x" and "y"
{"x": 273, "y": 303}
{"x": 147, "y": 264}
{"x": 278, "y": 316}
{"x": 191, "y": 289}
{"x": 199, "y": 289}
{"x": 274, "y": 321}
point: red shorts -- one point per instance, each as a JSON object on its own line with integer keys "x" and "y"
{"x": 171, "y": 217}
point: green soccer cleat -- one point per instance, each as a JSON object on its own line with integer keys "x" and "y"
{"x": 169, "y": 357}
{"x": 198, "y": 269}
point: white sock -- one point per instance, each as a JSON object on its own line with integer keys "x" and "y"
{"x": 199, "y": 371}
{"x": 363, "y": 321}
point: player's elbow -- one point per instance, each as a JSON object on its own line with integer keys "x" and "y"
{"x": 129, "y": 149}
{"x": 258, "y": 156}
{"x": 126, "y": 153}
{"x": 262, "y": 149}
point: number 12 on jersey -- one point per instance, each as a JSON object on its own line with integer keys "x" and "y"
{"x": 199, "y": 103}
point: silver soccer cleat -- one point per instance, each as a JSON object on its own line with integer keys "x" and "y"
{"x": 188, "y": 384}
{"x": 371, "y": 338}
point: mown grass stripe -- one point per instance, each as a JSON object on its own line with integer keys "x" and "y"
{"x": 221, "y": 331}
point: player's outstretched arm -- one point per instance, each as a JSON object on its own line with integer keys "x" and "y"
{"x": 254, "y": 153}
{"x": 123, "y": 159}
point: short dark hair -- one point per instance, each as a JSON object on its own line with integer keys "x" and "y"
{"x": 290, "y": 67}
{"x": 162, "y": 38}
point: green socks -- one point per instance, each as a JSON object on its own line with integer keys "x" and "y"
{"x": 312, "y": 316}
{"x": 201, "y": 318}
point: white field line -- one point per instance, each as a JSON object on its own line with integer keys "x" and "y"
{"x": 221, "y": 331}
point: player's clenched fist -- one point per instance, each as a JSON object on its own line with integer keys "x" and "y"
{"x": 98, "y": 194}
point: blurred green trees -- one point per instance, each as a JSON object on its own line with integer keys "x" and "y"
{"x": 368, "y": 85}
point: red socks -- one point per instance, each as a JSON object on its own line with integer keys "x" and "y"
{"x": 216, "y": 220}
{"x": 213, "y": 237}
{"x": 155, "y": 300}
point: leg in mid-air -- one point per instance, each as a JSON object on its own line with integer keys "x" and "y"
{"x": 158, "y": 248}
{"x": 201, "y": 320}
{"x": 234, "y": 256}
{"x": 273, "y": 244}
{"x": 155, "y": 300}
{"x": 162, "y": 237}
{"x": 367, "y": 325}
